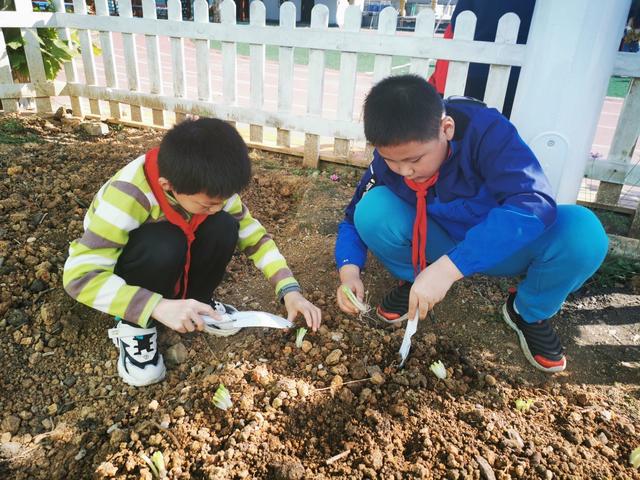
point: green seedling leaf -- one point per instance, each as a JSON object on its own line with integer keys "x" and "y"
{"x": 300, "y": 336}
{"x": 221, "y": 398}
{"x": 634, "y": 458}
{"x": 438, "y": 369}
{"x": 158, "y": 460}
{"x": 363, "y": 307}
{"x": 524, "y": 405}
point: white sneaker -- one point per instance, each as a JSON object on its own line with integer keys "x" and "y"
{"x": 139, "y": 363}
{"x": 210, "y": 325}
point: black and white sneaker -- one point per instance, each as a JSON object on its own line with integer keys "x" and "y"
{"x": 221, "y": 328}
{"x": 395, "y": 304}
{"x": 139, "y": 363}
{"x": 538, "y": 341}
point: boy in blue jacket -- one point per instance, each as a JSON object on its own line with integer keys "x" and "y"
{"x": 459, "y": 171}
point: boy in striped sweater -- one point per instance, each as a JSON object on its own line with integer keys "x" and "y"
{"x": 158, "y": 237}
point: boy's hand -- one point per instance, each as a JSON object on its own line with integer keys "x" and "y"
{"x": 350, "y": 276}
{"x": 431, "y": 285}
{"x": 183, "y": 315}
{"x": 295, "y": 303}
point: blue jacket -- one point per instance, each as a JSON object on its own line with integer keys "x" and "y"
{"x": 492, "y": 196}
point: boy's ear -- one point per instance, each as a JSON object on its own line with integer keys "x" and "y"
{"x": 448, "y": 126}
{"x": 165, "y": 184}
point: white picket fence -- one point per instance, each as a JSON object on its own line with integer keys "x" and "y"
{"x": 556, "y": 107}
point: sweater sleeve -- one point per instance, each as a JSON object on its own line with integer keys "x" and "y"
{"x": 350, "y": 249}
{"x": 257, "y": 244}
{"x": 118, "y": 208}
{"x": 526, "y": 208}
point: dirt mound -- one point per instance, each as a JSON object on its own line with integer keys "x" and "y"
{"x": 338, "y": 407}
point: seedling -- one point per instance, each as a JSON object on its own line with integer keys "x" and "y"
{"x": 221, "y": 398}
{"x": 156, "y": 464}
{"x": 300, "y": 336}
{"x": 634, "y": 458}
{"x": 362, "y": 307}
{"x": 438, "y": 369}
{"x": 524, "y": 405}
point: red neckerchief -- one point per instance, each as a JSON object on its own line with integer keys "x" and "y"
{"x": 419, "y": 240}
{"x": 188, "y": 228}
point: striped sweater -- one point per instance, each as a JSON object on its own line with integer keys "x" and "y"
{"x": 123, "y": 204}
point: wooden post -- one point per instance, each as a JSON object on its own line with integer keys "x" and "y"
{"x": 257, "y": 18}
{"x": 285, "y": 72}
{"x": 498, "y": 78}
{"x": 153, "y": 61}
{"x": 623, "y": 144}
{"x": 315, "y": 83}
{"x": 108, "y": 58}
{"x": 347, "y": 82}
{"x": 130, "y": 58}
{"x": 34, "y": 60}
{"x": 177, "y": 57}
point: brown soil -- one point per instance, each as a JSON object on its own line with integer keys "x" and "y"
{"x": 66, "y": 414}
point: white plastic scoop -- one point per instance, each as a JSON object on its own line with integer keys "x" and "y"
{"x": 412, "y": 326}
{"x": 248, "y": 319}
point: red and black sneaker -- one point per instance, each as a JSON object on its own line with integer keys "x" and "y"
{"x": 538, "y": 340}
{"x": 395, "y": 304}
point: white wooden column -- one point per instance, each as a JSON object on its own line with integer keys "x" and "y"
{"x": 229, "y": 56}
{"x": 425, "y": 25}
{"x": 498, "y": 79}
{"x": 6, "y": 78}
{"x": 201, "y": 15}
{"x": 386, "y": 28}
{"x": 130, "y": 58}
{"x": 457, "y": 73}
{"x": 285, "y": 72}
{"x": 177, "y": 57}
{"x": 315, "y": 85}
{"x": 153, "y": 61}
{"x": 70, "y": 67}
{"x": 347, "y": 82}
{"x": 86, "y": 51}
{"x": 108, "y": 58}
{"x": 257, "y": 18}
{"x": 34, "y": 60}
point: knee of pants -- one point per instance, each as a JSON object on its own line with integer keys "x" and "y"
{"x": 382, "y": 215}
{"x": 156, "y": 247}
{"x": 582, "y": 235}
{"x": 221, "y": 227}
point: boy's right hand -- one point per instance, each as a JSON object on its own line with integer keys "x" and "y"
{"x": 350, "y": 276}
{"x": 183, "y": 315}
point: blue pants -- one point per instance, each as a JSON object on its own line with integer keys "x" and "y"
{"x": 555, "y": 264}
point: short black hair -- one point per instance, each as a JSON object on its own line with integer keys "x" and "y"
{"x": 402, "y": 109}
{"x": 206, "y": 155}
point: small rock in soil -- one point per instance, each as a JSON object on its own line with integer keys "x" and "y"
{"x": 177, "y": 353}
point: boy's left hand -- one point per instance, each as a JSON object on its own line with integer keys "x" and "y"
{"x": 431, "y": 285}
{"x": 295, "y": 303}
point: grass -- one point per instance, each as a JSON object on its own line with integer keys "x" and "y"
{"x": 614, "y": 271}
{"x": 13, "y": 132}
{"x": 618, "y": 87}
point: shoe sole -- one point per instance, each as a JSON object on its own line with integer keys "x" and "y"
{"x": 392, "y": 322}
{"x": 525, "y": 348}
{"x": 129, "y": 380}
{"x": 219, "y": 332}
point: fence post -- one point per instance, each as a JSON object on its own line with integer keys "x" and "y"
{"x": 35, "y": 63}
{"x": 569, "y": 59}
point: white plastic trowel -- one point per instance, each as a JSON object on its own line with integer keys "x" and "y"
{"x": 238, "y": 320}
{"x": 412, "y": 326}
